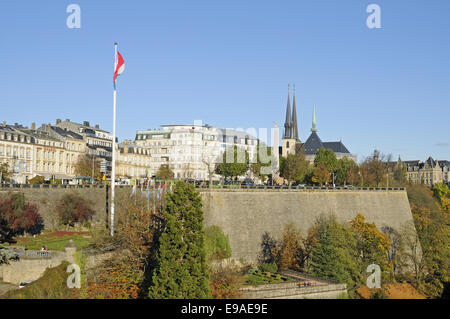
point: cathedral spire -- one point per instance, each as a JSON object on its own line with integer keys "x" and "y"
{"x": 288, "y": 122}
{"x": 314, "y": 128}
{"x": 294, "y": 119}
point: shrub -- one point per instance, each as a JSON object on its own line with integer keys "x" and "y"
{"x": 18, "y": 217}
{"x": 72, "y": 209}
{"x": 217, "y": 244}
{"x": 52, "y": 285}
{"x": 272, "y": 267}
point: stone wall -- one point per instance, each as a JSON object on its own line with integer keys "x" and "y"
{"x": 244, "y": 215}
{"x": 33, "y": 268}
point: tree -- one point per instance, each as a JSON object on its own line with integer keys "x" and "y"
{"x": 344, "y": 170}
{"x": 235, "y": 162}
{"x": 73, "y": 209}
{"x": 88, "y": 164}
{"x": 294, "y": 168}
{"x": 290, "y": 250}
{"x": 372, "y": 246}
{"x": 334, "y": 255}
{"x": 400, "y": 172}
{"x": 328, "y": 158}
{"x": 395, "y": 250}
{"x": 321, "y": 174}
{"x": 164, "y": 172}
{"x": 374, "y": 169}
{"x": 440, "y": 191}
{"x": 268, "y": 249}
{"x": 18, "y": 217}
{"x": 263, "y": 166}
{"x": 182, "y": 271}
{"x": 5, "y": 172}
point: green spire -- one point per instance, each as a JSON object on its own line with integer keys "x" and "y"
{"x": 314, "y": 129}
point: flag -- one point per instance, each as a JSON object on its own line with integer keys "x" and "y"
{"x": 120, "y": 66}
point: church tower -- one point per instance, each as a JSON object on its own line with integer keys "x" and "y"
{"x": 290, "y": 137}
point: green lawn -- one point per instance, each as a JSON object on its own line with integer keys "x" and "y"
{"x": 55, "y": 242}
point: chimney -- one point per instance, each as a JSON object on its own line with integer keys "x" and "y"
{"x": 86, "y": 123}
{"x": 58, "y": 121}
{"x": 97, "y": 126}
{"x": 33, "y": 126}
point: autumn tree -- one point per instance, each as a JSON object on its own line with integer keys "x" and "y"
{"x": 235, "y": 162}
{"x": 127, "y": 273}
{"x": 321, "y": 175}
{"x": 182, "y": 271}
{"x": 289, "y": 254}
{"x": 372, "y": 246}
{"x": 428, "y": 241}
{"x": 87, "y": 166}
{"x": 374, "y": 169}
{"x": 294, "y": 168}
{"x": 18, "y": 217}
{"x": 74, "y": 209}
{"x": 164, "y": 172}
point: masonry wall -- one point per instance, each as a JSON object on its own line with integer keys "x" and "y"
{"x": 245, "y": 215}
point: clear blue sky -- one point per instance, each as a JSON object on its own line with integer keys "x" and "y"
{"x": 228, "y": 63}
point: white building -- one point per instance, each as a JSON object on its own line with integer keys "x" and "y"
{"x": 192, "y": 150}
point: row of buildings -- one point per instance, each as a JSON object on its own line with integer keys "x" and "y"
{"x": 53, "y": 151}
{"x": 190, "y": 151}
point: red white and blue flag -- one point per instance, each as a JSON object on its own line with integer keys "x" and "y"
{"x": 120, "y": 66}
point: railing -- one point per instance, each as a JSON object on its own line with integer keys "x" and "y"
{"x": 215, "y": 187}
{"x": 34, "y": 254}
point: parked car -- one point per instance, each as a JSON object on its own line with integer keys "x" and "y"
{"x": 23, "y": 284}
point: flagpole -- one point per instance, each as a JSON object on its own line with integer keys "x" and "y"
{"x": 113, "y": 170}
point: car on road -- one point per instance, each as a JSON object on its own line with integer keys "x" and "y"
{"x": 23, "y": 284}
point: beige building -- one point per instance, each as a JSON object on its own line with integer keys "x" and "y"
{"x": 132, "y": 161}
{"x": 16, "y": 149}
{"x": 429, "y": 172}
{"x": 74, "y": 147}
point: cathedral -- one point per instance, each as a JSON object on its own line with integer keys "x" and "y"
{"x": 291, "y": 143}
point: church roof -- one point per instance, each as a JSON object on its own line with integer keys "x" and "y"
{"x": 337, "y": 147}
{"x": 312, "y": 144}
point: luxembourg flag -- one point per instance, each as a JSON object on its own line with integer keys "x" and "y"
{"x": 120, "y": 66}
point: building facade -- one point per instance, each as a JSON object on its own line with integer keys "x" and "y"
{"x": 17, "y": 150}
{"x": 132, "y": 161}
{"x": 429, "y": 172}
{"x": 191, "y": 151}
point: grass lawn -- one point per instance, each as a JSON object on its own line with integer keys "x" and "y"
{"x": 55, "y": 241}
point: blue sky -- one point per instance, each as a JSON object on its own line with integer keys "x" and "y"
{"x": 228, "y": 64}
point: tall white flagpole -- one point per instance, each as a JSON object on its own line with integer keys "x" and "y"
{"x": 113, "y": 170}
